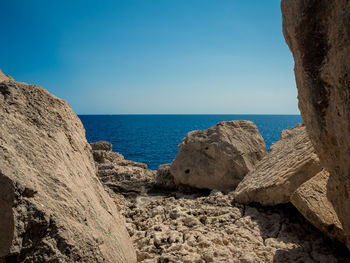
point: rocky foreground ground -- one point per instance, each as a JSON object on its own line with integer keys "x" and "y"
{"x": 168, "y": 223}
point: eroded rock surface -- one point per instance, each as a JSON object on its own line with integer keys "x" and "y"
{"x": 164, "y": 178}
{"x": 101, "y": 146}
{"x": 5, "y": 78}
{"x": 317, "y": 32}
{"x": 311, "y": 200}
{"x": 53, "y": 207}
{"x": 122, "y": 176}
{"x": 291, "y": 162}
{"x": 192, "y": 225}
{"x": 213, "y": 229}
{"x": 219, "y": 157}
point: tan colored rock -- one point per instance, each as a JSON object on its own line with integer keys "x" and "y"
{"x": 311, "y": 200}
{"x": 212, "y": 229}
{"x": 292, "y": 162}
{"x": 219, "y": 157}
{"x": 164, "y": 179}
{"x": 101, "y": 146}
{"x": 122, "y": 176}
{"x": 5, "y": 78}
{"x": 317, "y": 32}
{"x": 53, "y": 207}
{"x": 188, "y": 225}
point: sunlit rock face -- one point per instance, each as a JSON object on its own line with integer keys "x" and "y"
{"x": 53, "y": 207}
{"x": 291, "y": 162}
{"x": 318, "y": 34}
{"x": 219, "y": 157}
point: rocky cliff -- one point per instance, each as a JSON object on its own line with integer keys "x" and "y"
{"x": 53, "y": 207}
{"x": 318, "y": 34}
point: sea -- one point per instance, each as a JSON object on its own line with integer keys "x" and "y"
{"x": 154, "y": 139}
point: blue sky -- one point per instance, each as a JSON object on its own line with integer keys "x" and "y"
{"x": 152, "y": 56}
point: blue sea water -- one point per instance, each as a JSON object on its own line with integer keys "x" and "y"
{"x": 153, "y": 139}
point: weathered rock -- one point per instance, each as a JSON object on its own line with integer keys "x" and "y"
{"x": 219, "y": 157}
{"x": 189, "y": 225}
{"x": 311, "y": 200}
{"x": 212, "y": 229}
{"x": 101, "y": 146}
{"x": 292, "y": 162}
{"x": 120, "y": 175}
{"x": 5, "y": 78}
{"x": 317, "y": 32}
{"x": 164, "y": 179}
{"x": 53, "y": 208}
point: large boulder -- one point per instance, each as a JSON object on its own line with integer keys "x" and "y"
{"x": 311, "y": 200}
{"x": 219, "y": 157}
{"x": 53, "y": 207}
{"x": 317, "y": 32}
{"x": 292, "y": 161}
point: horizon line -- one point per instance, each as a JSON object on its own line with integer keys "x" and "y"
{"x": 104, "y": 114}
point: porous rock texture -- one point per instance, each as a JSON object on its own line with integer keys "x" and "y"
{"x": 132, "y": 179}
{"x": 219, "y": 157}
{"x": 291, "y": 162}
{"x": 53, "y": 207}
{"x": 193, "y": 225}
{"x": 164, "y": 178}
{"x": 213, "y": 229}
{"x": 312, "y": 202}
{"x": 318, "y": 34}
{"x": 101, "y": 146}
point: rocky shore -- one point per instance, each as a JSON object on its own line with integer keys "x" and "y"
{"x": 178, "y": 223}
{"x": 222, "y": 199}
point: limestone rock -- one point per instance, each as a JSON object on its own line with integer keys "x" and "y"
{"x": 5, "y": 78}
{"x": 164, "y": 178}
{"x": 101, "y": 146}
{"x": 213, "y": 229}
{"x": 191, "y": 225}
{"x": 292, "y": 161}
{"x": 219, "y": 157}
{"x": 317, "y": 32}
{"x": 311, "y": 200}
{"x": 122, "y": 176}
{"x": 53, "y": 208}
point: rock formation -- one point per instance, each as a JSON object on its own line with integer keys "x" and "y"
{"x": 312, "y": 202}
{"x": 178, "y": 224}
{"x": 101, "y": 146}
{"x": 5, "y": 78}
{"x": 317, "y": 32}
{"x": 164, "y": 179}
{"x": 122, "y": 176}
{"x": 212, "y": 229}
{"x": 219, "y": 157}
{"x": 53, "y": 207}
{"x": 291, "y": 162}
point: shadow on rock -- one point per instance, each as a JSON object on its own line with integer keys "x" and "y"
{"x": 295, "y": 239}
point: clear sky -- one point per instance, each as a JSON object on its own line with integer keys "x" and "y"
{"x": 152, "y": 56}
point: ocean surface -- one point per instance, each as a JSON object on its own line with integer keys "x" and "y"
{"x": 153, "y": 139}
